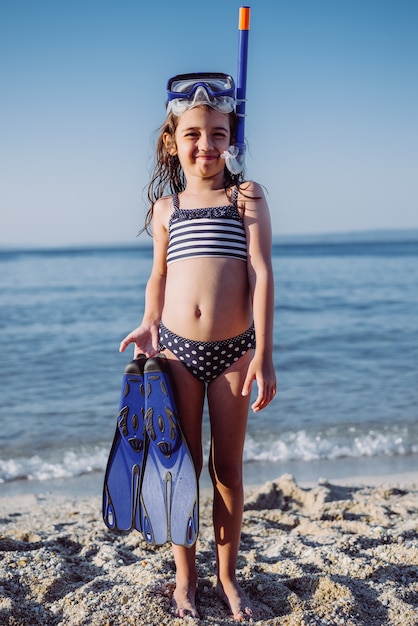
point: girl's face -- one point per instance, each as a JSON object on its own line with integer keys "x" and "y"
{"x": 201, "y": 136}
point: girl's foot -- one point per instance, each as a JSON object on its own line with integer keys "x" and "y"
{"x": 237, "y": 600}
{"x": 184, "y": 602}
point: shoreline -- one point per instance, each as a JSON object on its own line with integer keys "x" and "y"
{"x": 350, "y": 471}
{"x": 332, "y": 552}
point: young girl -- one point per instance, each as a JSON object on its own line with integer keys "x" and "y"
{"x": 211, "y": 287}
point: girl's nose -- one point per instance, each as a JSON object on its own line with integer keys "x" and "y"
{"x": 205, "y": 143}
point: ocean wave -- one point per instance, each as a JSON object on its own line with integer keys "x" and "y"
{"x": 292, "y": 446}
{"x": 304, "y": 446}
{"x": 69, "y": 465}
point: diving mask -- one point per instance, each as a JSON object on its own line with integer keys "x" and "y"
{"x": 186, "y": 91}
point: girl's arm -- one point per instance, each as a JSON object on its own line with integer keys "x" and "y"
{"x": 146, "y": 336}
{"x": 261, "y": 282}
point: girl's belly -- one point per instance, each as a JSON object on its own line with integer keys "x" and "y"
{"x": 207, "y": 299}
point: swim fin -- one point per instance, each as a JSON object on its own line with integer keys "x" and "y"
{"x": 169, "y": 498}
{"x": 124, "y": 467}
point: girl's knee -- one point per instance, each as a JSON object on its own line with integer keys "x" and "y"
{"x": 229, "y": 476}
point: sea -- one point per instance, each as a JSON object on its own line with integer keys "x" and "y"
{"x": 345, "y": 351}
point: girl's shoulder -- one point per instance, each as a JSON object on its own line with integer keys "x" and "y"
{"x": 164, "y": 201}
{"x": 163, "y": 205}
{"x": 162, "y": 210}
{"x": 250, "y": 190}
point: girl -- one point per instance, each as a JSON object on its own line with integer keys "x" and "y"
{"x": 210, "y": 288}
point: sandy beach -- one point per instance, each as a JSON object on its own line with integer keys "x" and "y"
{"x": 326, "y": 554}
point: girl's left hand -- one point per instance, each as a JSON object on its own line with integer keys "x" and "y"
{"x": 265, "y": 376}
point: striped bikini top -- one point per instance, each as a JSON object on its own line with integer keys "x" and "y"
{"x": 211, "y": 232}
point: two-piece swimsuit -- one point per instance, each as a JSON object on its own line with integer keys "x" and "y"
{"x": 210, "y": 232}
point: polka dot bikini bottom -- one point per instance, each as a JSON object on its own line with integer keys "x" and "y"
{"x": 207, "y": 359}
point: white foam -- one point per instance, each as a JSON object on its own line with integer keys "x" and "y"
{"x": 302, "y": 446}
{"x": 71, "y": 464}
{"x": 298, "y": 445}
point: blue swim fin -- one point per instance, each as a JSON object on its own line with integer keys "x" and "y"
{"x": 125, "y": 463}
{"x": 169, "y": 495}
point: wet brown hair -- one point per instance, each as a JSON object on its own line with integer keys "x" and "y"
{"x": 168, "y": 176}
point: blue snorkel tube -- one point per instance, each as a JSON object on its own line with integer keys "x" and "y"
{"x": 235, "y": 156}
{"x": 244, "y": 28}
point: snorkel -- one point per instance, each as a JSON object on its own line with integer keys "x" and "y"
{"x": 235, "y": 155}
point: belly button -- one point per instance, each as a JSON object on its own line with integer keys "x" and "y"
{"x": 198, "y": 312}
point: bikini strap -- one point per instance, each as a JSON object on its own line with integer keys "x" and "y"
{"x": 234, "y": 197}
{"x": 175, "y": 200}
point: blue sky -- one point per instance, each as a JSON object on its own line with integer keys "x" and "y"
{"x": 332, "y": 121}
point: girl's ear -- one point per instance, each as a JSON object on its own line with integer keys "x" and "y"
{"x": 170, "y": 144}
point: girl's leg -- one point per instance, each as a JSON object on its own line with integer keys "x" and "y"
{"x": 228, "y": 411}
{"x": 189, "y": 399}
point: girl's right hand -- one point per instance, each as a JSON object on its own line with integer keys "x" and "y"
{"x": 146, "y": 340}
